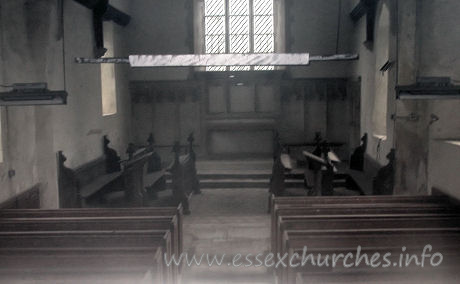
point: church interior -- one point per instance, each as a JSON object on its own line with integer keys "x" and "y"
{"x": 136, "y": 132}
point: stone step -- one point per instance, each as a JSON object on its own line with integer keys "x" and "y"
{"x": 223, "y": 234}
{"x": 234, "y": 183}
{"x": 223, "y": 175}
{"x": 226, "y": 274}
{"x": 227, "y": 247}
{"x": 234, "y": 165}
{"x": 234, "y": 176}
{"x": 240, "y": 183}
{"x": 242, "y": 221}
{"x": 228, "y": 185}
{"x": 230, "y": 227}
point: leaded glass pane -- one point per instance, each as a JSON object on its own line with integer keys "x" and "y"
{"x": 215, "y": 44}
{"x": 264, "y": 44}
{"x": 263, "y": 24}
{"x": 239, "y": 25}
{"x": 263, "y": 7}
{"x": 240, "y": 68}
{"x": 214, "y": 7}
{"x": 215, "y": 25}
{"x": 263, "y": 68}
{"x": 239, "y": 7}
{"x": 239, "y": 43}
{"x": 216, "y": 68}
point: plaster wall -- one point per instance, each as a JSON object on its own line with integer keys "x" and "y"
{"x": 160, "y": 27}
{"x": 319, "y": 28}
{"x": 427, "y": 39}
{"x": 377, "y": 88}
{"x": 438, "y": 56}
{"x": 166, "y": 27}
{"x": 39, "y": 40}
{"x": 315, "y": 26}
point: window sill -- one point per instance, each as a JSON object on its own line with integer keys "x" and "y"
{"x": 380, "y": 137}
{"x": 453, "y": 142}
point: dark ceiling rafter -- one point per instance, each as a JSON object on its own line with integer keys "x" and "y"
{"x": 368, "y": 8}
{"x": 103, "y": 11}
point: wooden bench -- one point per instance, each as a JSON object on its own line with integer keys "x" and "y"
{"x": 358, "y": 199}
{"x": 103, "y": 175}
{"x": 184, "y": 175}
{"x": 79, "y": 265}
{"x": 77, "y": 185}
{"x": 329, "y": 225}
{"x": 443, "y": 240}
{"x": 314, "y": 178}
{"x": 134, "y": 170}
{"x": 361, "y": 221}
{"x": 62, "y": 244}
{"x": 99, "y": 223}
{"x": 176, "y": 215}
{"x": 405, "y": 276}
{"x": 154, "y": 174}
{"x": 117, "y": 235}
{"x": 349, "y": 206}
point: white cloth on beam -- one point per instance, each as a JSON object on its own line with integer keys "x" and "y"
{"x": 189, "y": 60}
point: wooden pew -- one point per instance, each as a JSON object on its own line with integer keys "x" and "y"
{"x": 444, "y": 240}
{"x": 370, "y": 276}
{"x": 78, "y": 265}
{"x": 334, "y": 225}
{"x": 383, "y": 221}
{"x": 298, "y": 201}
{"x": 172, "y": 212}
{"x": 275, "y": 235}
{"x": 154, "y": 176}
{"x": 359, "y": 199}
{"x": 184, "y": 175}
{"x": 106, "y": 174}
{"x": 134, "y": 170}
{"x": 76, "y": 186}
{"x": 319, "y": 176}
{"x": 92, "y": 223}
{"x": 345, "y": 208}
{"x": 70, "y": 248}
{"x": 128, "y": 220}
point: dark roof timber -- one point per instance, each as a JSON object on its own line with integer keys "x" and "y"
{"x": 108, "y": 12}
{"x": 368, "y": 8}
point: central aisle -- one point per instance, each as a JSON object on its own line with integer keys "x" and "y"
{"x": 227, "y": 221}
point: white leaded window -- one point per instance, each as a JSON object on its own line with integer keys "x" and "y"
{"x": 108, "y": 82}
{"x": 238, "y": 26}
{"x": 1, "y": 137}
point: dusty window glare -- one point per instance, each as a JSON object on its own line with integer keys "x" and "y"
{"x": 108, "y": 82}
{"x": 1, "y": 138}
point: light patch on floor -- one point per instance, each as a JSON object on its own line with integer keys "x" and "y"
{"x": 227, "y": 221}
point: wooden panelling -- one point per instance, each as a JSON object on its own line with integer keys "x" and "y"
{"x": 29, "y": 199}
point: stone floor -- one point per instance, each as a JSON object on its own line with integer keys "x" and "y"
{"x": 227, "y": 221}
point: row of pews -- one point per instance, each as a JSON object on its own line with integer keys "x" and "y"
{"x": 400, "y": 225}
{"x": 123, "y": 245}
{"x": 324, "y": 174}
{"x": 139, "y": 178}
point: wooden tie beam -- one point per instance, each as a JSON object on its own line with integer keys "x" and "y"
{"x": 201, "y": 60}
